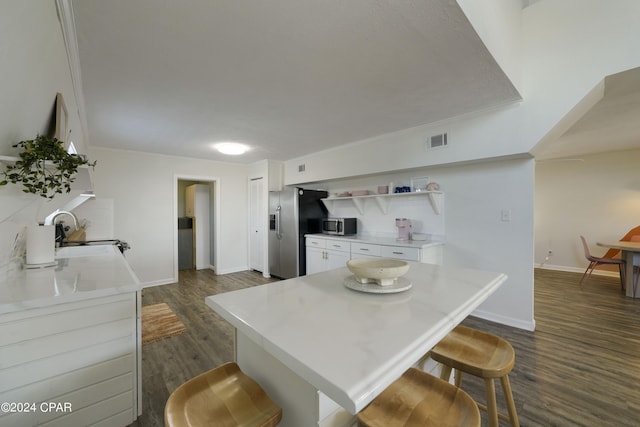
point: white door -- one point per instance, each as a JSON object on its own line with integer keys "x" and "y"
{"x": 316, "y": 261}
{"x": 197, "y": 206}
{"x": 257, "y": 215}
{"x": 336, "y": 259}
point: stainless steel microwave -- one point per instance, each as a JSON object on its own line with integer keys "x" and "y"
{"x": 340, "y": 226}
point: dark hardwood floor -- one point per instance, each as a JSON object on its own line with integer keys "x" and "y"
{"x": 207, "y": 342}
{"x": 581, "y": 367}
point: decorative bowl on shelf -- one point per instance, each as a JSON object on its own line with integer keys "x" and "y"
{"x": 382, "y": 271}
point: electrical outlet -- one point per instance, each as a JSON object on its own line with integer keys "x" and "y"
{"x": 505, "y": 215}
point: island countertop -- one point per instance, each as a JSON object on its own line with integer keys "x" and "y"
{"x": 81, "y": 272}
{"x": 351, "y": 345}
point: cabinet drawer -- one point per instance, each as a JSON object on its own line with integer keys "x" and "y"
{"x": 337, "y": 245}
{"x": 315, "y": 242}
{"x": 399, "y": 252}
{"x": 365, "y": 249}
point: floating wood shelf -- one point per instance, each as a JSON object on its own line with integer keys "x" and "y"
{"x": 383, "y": 200}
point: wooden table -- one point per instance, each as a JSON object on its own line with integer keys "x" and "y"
{"x": 628, "y": 250}
{"x": 323, "y": 352}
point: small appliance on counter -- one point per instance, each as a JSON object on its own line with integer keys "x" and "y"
{"x": 340, "y": 226}
{"x": 404, "y": 229}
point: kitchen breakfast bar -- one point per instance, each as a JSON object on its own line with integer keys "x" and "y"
{"x": 323, "y": 351}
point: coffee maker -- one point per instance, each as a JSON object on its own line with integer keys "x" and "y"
{"x": 404, "y": 229}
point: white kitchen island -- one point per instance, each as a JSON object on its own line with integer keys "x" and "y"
{"x": 323, "y": 351}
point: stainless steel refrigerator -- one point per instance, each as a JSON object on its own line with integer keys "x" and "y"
{"x": 293, "y": 213}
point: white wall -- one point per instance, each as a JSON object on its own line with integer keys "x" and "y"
{"x": 34, "y": 68}
{"x": 598, "y": 197}
{"x": 483, "y": 135}
{"x": 142, "y": 187}
{"x": 499, "y": 25}
{"x": 376, "y": 223}
{"x": 569, "y": 46}
{"x": 474, "y": 234}
{"x": 476, "y": 237}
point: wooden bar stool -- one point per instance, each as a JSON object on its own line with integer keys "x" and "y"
{"x": 485, "y": 356}
{"x": 420, "y": 399}
{"x": 223, "y": 396}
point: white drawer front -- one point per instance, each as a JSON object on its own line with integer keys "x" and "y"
{"x": 315, "y": 242}
{"x": 365, "y": 249}
{"x": 337, "y": 245}
{"x": 399, "y": 252}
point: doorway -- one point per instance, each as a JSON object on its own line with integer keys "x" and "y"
{"x": 189, "y": 240}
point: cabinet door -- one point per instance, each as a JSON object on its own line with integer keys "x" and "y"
{"x": 432, "y": 255}
{"x": 315, "y": 260}
{"x": 336, "y": 259}
{"x": 257, "y": 213}
{"x": 85, "y": 351}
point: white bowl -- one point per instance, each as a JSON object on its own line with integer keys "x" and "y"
{"x": 383, "y": 271}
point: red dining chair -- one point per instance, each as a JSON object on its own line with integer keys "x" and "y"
{"x": 595, "y": 261}
{"x": 628, "y": 237}
{"x": 636, "y": 268}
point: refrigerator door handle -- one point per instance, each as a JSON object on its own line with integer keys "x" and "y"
{"x": 278, "y": 234}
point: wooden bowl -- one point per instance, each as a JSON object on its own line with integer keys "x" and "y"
{"x": 382, "y": 271}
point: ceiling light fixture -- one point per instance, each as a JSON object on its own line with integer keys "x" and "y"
{"x": 232, "y": 148}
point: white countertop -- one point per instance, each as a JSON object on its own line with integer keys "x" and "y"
{"x": 351, "y": 345}
{"x": 82, "y": 272}
{"x": 387, "y": 241}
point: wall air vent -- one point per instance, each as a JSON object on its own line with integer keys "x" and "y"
{"x": 437, "y": 141}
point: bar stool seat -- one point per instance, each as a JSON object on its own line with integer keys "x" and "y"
{"x": 223, "y": 396}
{"x": 420, "y": 399}
{"x": 485, "y": 356}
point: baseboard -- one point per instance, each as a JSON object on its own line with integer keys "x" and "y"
{"x": 157, "y": 283}
{"x": 509, "y": 321}
{"x": 576, "y": 270}
{"x": 232, "y": 270}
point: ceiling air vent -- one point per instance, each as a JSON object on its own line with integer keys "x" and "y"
{"x": 437, "y": 141}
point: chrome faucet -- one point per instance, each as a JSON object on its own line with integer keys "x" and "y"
{"x": 50, "y": 220}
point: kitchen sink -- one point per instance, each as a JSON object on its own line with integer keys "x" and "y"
{"x": 84, "y": 250}
{"x": 121, "y": 245}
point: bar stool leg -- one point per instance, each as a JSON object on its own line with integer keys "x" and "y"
{"x": 445, "y": 373}
{"x": 511, "y": 406}
{"x": 458, "y": 377}
{"x": 492, "y": 406}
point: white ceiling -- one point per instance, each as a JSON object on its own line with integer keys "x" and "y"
{"x": 293, "y": 77}
{"x": 287, "y": 77}
{"x": 611, "y": 124}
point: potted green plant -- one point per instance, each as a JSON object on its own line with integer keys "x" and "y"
{"x": 44, "y": 167}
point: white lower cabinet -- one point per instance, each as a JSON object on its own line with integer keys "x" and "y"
{"x": 326, "y": 254}
{"x": 71, "y": 364}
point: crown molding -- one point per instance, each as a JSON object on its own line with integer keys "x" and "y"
{"x": 67, "y": 22}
